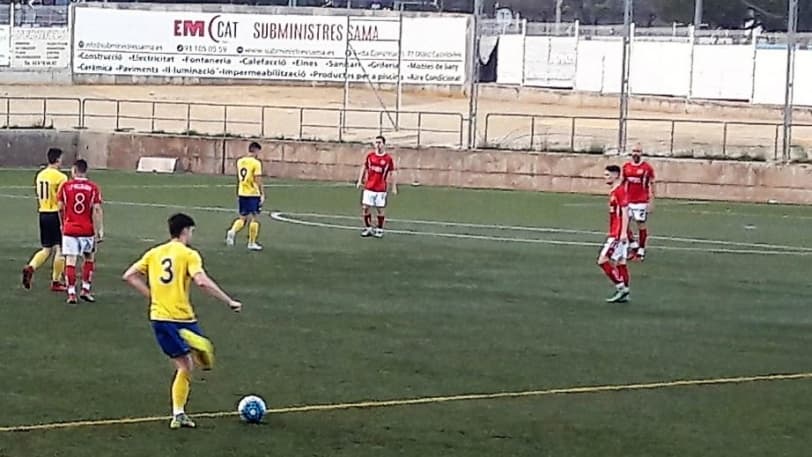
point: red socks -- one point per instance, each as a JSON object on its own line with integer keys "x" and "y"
{"x": 623, "y": 272}
{"x": 70, "y": 275}
{"x": 367, "y": 220}
{"x": 380, "y": 221}
{"x": 611, "y": 272}
{"x": 87, "y": 274}
{"x": 643, "y": 237}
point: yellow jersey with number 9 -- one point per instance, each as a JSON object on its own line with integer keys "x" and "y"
{"x": 248, "y": 169}
{"x": 47, "y": 182}
{"x": 169, "y": 269}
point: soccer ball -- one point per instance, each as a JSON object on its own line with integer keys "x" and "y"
{"x": 252, "y": 409}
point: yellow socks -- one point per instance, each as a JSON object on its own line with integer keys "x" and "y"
{"x": 238, "y": 225}
{"x": 59, "y": 267}
{"x": 39, "y": 258}
{"x": 253, "y": 232}
{"x": 180, "y": 391}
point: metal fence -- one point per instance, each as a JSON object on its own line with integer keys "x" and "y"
{"x": 696, "y": 138}
{"x": 415, "y": 128}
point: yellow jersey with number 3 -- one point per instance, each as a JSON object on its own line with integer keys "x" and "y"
{"x": 48, "y": 182}
{"x": 248, "y": 169}
{"x": 169, "y": 269}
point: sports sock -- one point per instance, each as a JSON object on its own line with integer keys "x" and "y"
{"x": 643, "y": 237}
{"x": 87, "y": 274}
{"x": 611, "y": 273}
{"x": 180, "y": 391}
{"x": 253, "y": 231}
{"x": 70, "y": 275}
{"x": 367, "y": 220}
{"x": 237, "y": 225}
{"x": 58, "y": 268}
{"x": 39, "y": 258}
{"x": 623, "y": 271}
{"x": 380, "y": 221}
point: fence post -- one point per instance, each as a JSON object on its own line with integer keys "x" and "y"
{"x": 152, "y": 119}
{"x": 225, "y": 119}
{"x": 673, "y": 127}
{"x": 262, "y": 120}
{"x": 532, "y": 133}
{"x": 44, "y": 111}
{"x": 692, "y": 44}
{"x": 301, "y": 122}
{"x": 572, "y": 135}
{"x": 724, "y": 140}
{"x": 8, "y": 113}
{"x": 487, "y": 123}
{"x": 118, "y": 115}
{"x": 419, "y": 126}
{"x": 188, "y": 118}
{"x": 461, "y": 128}
{"x": 775, "y": 151}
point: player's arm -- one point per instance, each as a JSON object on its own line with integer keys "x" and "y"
{"x": 134, "y": 276}
{"x": 393, "y": 181}
{"x": 258, "y": 180}
{"x": 98, "y": 221}
{"x": 361, "y": 175}
{"x": 202, "y": 280}
{"x": 651, "y": 191}
{"x": 208, "y": 285}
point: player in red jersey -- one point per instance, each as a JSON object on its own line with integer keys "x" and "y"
{"x": 638, "y": 176}
{"x": 377, "y": 173}
{"x": 612, "y": 258}
{"x": 80, "y": 202}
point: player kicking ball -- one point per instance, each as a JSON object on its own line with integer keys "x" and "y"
{"x": 80, "y": 202}
{"x": 612, "y": 258}
{"x": 638, "y": 176}
{"x": 250, "y": 197}
{"x": 377, "y": 172}
{"x": 163, "y": 275}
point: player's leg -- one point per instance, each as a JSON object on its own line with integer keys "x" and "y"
{"x": 46, "y": 238}
{"x": 381, "y": 213}
{"x": 253, "y": 224}
{"x": 175, "y": 347}
{"x": 58, "y": 270}
{"x": 619, "y": 258}
{"x": 238, "y": 223}
{"x": 71, "y": 251}
{"x": 642, "y": 228}
{"x": 88, "y": 267}
{"x": 202, "y": 348}
{"x": 367, "y": 202}
{"x": 608, "y": 267}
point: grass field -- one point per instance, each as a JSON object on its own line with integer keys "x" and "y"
{"x": 481, "y": 305}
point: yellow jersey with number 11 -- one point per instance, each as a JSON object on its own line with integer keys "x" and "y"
{"x": 48, "y": 182}
{"x": 248, "y": 169}
{"x": 170, "y": 268}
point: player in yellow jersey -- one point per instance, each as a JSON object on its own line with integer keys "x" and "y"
{"x": 47, "y": 183}
{"x": 250, "y": 196}
{"x": 164, "y": 275}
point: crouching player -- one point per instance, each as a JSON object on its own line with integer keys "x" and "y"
{"x": 169, "y": 270}
{"x": 612, "y": 258}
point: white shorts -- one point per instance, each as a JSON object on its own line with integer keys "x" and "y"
{"x": 374, "y": 199}
{"x": 638, "y": 211}
{"x": 615, "y": 250}
{"x": 78, "y": 245}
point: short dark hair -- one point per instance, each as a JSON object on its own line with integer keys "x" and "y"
{"x": 380, "y": 137}
{"x": 613, "y": 169}
{"x": 254, "y": 147}
{"x": 178, "y": 223}
{"x": 81, "y": 165}
{"x": 54, "y": 154}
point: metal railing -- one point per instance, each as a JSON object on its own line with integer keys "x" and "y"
{"x": 410, "y": 128}
{"x": 755, "y": 140}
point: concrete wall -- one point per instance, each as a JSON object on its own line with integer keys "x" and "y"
{"x": 548, "y": 172}
{"x": 27, "y": 148}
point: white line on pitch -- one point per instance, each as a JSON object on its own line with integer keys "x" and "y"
{"x": 521, "y": 228}
{"x": 195, "y": 186}
{"x": 282, "y": 217}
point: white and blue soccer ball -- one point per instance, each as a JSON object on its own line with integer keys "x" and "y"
{"x": 252, "y": 409}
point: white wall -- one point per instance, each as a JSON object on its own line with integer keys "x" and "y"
{"x": 509, "y": 65}
{"x": 599, "y": 65}
{"x": 550, "y": 61}
{"x": 723, "y": 72}
{"x": 660, "y": 68}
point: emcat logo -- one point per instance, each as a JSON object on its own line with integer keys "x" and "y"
{"x": 217, "y": 30}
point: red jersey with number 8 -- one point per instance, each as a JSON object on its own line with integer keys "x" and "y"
{"x": 78, "y": 195}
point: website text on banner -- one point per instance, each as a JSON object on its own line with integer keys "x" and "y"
{"x": 5, "y": 45}
{"x": 271, "y": 47}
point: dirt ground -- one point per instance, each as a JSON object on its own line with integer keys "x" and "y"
{"x": 425, "y": 119}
